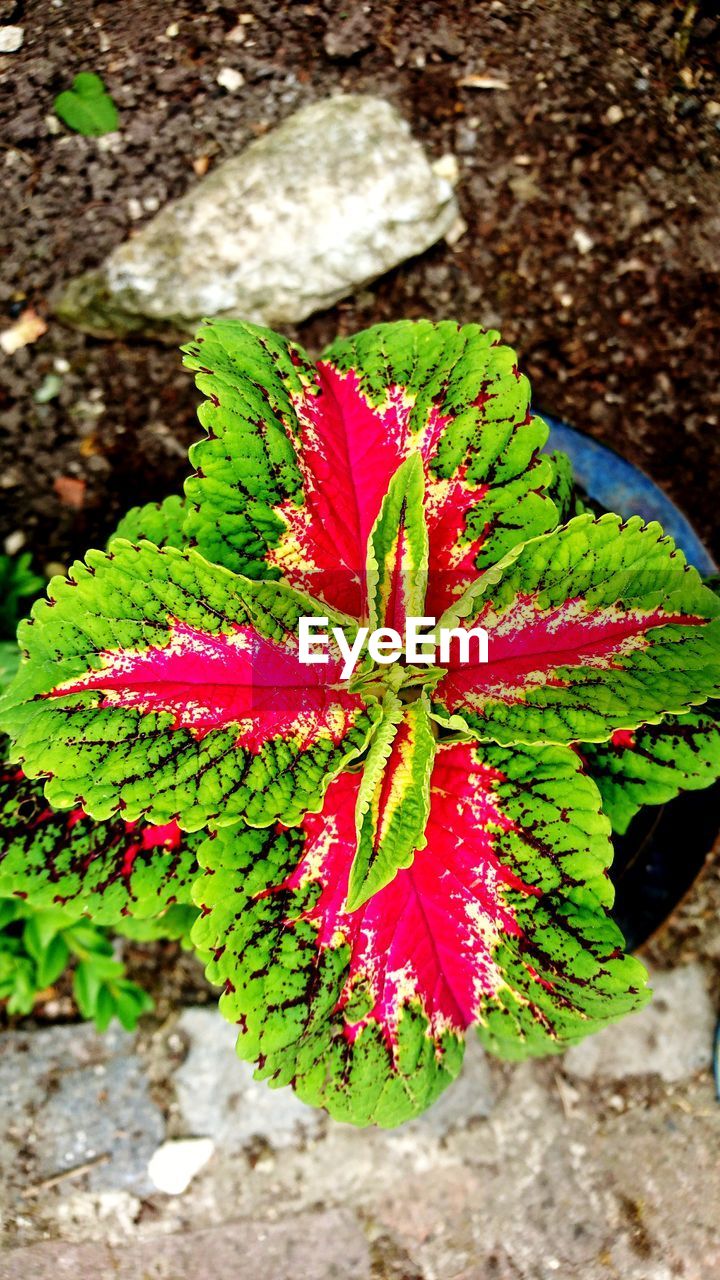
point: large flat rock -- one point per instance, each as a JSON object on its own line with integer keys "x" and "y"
{"x": 320, "y": 1246}
{"x": 334, "y": 197}
{"x": 219, "y": 1099}
{"x": 671, "y": 1037}
{"x": 71, "y": 1098}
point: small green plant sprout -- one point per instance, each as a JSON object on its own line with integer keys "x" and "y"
{"x": 18, "y": 585}
{"x": 37, "y": 946}
{"x": 87, "y": 107}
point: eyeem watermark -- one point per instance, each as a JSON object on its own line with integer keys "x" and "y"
{"x": 423, "y": 642}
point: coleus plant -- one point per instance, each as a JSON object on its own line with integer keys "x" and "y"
{"x": 380, "y": 863}
{"x": 56, "y": 868}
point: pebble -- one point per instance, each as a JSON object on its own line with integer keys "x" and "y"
{"x": 582, "y": 241}
{"x": 175, "y": 1163}
{"x": 11, "y": 39}
{"x": 28, "y": 327}
{"x": 614, "y": 114}
{"x": 14, "y": 542}
{"x": 49, "y": 388}
{"x": 230, "y": 79}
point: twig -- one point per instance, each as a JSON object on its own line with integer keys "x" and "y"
{"x": 684, "y": 33}
{"x": 75, "y": 1172}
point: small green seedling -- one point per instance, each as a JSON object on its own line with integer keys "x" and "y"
{"x": 36, "y": 946}
{"x": 18, "y": 587}
{"x": 87, "y": 107}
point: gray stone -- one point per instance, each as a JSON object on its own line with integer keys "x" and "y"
{"x": 335, "y": 196}
{"x": 671, "y": 1037}
{"x": 219, "y": 1099}
{"x": 318, "y": 1246}
{"x": 71, "y": 1096}
{"x": 556, "y": 1180}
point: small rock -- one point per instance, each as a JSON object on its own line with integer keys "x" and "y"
{"x": 49, "y": 388}
{"x": 465, "y": 138}
{"x": 10, "y": 478}
{"x": 688, "y": 107}
{"x": 352, "y": 34}
{"x": 174, "y": 1165}
{"x": 447, "y": 168}
{"x": 28, "y": 327}
{"x": 14, "y": 542}
{"x": 524, "y": 187}
{"x": 445, "y": 38}
{"x": 238, "y": 34}
{"x": 110, "y": 142}
{"x": 334, "y": 197}
{"x": 230, "y": 79}
{"x": 582, "y": 241}
{"x": 672, "y": 1037}
{"x": 484, "y": 82}
{"x": 614, "y": 114}
{"x": 71, "y": 491}
{"x": 54, "y": 569}
{"x": 11, "y": 39}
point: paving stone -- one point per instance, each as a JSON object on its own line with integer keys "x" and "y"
{"x": 69, "y": 1096}
{"x": 320, "y": 1246}
{"x": 219, "y": 1099}
{"x": 671, "y": 1037}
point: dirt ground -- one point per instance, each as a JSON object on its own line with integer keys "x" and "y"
{"x": 589, "y": 184}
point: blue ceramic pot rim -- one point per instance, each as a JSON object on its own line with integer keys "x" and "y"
{"x": 618, "y": 485}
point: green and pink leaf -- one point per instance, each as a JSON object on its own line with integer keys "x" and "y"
{"x": 655, "y": 762}
{"x": 109, "y": 870}
{"x": 501, "y": 922}
{"x": 595, "y": 627}
{"x": 168, "y": 689}
{"x": 299, "y": 457}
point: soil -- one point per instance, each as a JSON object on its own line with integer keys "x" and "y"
{"x": 589, "y": 183}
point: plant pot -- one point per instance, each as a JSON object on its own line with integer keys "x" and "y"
{"x": 666, "y": 846}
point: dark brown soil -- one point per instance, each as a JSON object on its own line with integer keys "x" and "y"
{"x": 609, "y": 128}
